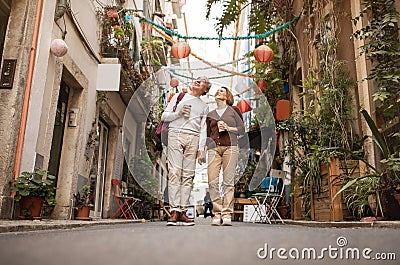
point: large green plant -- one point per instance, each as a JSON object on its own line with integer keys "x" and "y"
{"x": 231, "y": 12}
{"x": 382, "y": 48}
{"x": 356, "y": 197}
{"x": 34, "y": 184}
{"x": 264, "y": 15}
{"x": 387, "y": 174}
{"x": 391, "y": 155}
{"x": 320, "y": 131}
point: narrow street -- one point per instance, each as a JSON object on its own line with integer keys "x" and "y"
{"x": 243, "y": 243}
{"x": 117, "y": 113}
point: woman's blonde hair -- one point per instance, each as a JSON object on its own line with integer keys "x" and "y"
{"x": 229, "y": 96}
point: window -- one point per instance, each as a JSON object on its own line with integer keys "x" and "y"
{"x": 5, "y": 8}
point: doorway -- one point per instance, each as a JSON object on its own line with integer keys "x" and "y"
{"x": 98, "y": 170}
{"x": 58, "y": 131}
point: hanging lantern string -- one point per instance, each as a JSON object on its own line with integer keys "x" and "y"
{"x": 257, "y": 36}
{"x": 220, "y": 68}
{"x": 213, "y": 77}
{"x": 201, "y": 59}
{"x": 223, "y": 64}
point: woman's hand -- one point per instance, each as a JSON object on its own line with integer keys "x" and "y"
{"x": 222, "y": 126}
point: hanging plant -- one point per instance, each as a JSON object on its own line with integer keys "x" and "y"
{"x": 116, "y": 32}
{"x": 153, "y": 51}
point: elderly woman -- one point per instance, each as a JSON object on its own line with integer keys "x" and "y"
{"x": 224, "y": 124}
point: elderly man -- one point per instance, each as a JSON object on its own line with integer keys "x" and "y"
{"x": 186, "y": 141}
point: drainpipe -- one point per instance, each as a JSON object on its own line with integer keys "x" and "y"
{"x": 60, "y": 10}
{"x": 145, "y": 8}
{"x": 144, "y": 35}
{"x": 27, "y": 91}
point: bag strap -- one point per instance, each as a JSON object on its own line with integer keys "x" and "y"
{"x": 180, "y": 97}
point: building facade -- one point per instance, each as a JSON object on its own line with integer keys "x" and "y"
{"x": 52, "y": 114}
{"x": 319, "y": 23}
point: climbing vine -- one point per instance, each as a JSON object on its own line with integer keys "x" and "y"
{"x": 382, "y": 48}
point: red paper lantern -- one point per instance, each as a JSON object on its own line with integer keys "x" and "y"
{"x": 262, "y": 84}
{"x": 263, "y": 54}
{"x": 174, "y": 82}
{"x": 243, "y": 106}
{"x": 282, "y": 110}
{"x": 180, "y": 50}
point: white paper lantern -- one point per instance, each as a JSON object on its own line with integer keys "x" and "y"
{"x": 58, "y": 47}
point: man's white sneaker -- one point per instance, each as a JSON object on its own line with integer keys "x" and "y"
{"x": 216, "y": 221}
{"x": 226, "y": 221}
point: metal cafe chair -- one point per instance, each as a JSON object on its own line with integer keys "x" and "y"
{"x": 272, "y": 190}
{"x": 125, "y": 203}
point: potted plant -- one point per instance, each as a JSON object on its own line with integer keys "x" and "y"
{"x": 284, "y": 210}
{"x": 83, "y": 203}
{"x": 388, "y": 176}
{"x": 242, "y": 186}
{"x": 32, "y": 190}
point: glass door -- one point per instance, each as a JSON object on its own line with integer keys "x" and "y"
{"x": 58, "y": 131}
{"x": 98, "y": 171}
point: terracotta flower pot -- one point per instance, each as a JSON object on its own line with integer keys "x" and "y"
{"x": 284, "y": 211}
{"x": 82, "y": 213}
{"x": 30, "y": 207}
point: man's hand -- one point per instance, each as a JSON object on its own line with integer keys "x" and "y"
{"x": 185, "y": 110}
{"x": 201, "y": 157}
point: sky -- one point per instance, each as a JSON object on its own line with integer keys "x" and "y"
{"x": 198, "y": 25}
{"x": 211, "y": 50}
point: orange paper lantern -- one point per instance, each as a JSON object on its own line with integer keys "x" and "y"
{"x": 180, "y": 50}
{"x": 174, "y": 82}
{"x": 243, "y": 106}
{"x": 282, "y": 110}
{"x": 263, "y": 54}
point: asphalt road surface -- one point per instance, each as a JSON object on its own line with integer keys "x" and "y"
{"x": 154, "y": 243}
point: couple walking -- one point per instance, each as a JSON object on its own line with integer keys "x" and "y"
{"x": 194, "y": 131}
